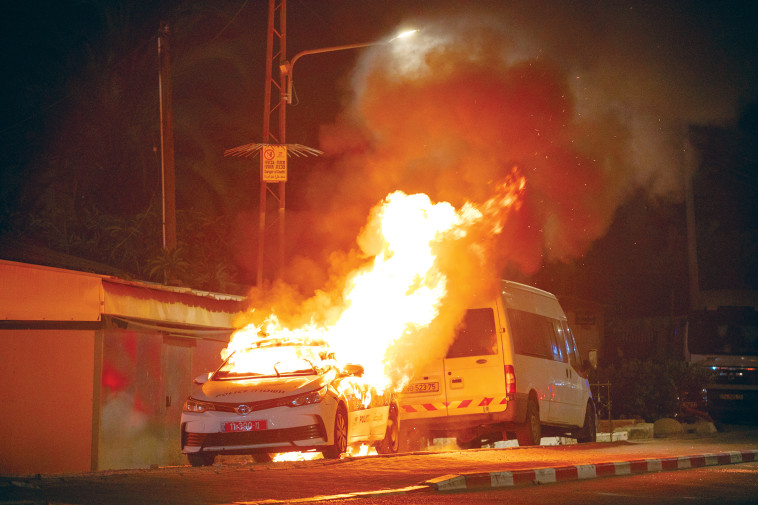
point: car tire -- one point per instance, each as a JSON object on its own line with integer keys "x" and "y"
{"x": 339, "y": 444}
{"x": 530, "y": 433}
{"x": 588, "y": 432}
{"x": 201, "y": 458}
{"x": 391, "y": 442}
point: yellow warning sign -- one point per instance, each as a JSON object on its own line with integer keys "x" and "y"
{"x": 274, "y": 163}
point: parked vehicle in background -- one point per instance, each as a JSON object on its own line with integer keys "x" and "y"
{"x": 285, "y": 397}
{"x": 723, "y": 336}
{"x": 513, "y": 371}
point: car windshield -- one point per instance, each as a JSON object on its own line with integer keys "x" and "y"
{"x": 274, "y": 361}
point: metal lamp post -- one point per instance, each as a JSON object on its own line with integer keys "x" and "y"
{"x": 288, "y": 66}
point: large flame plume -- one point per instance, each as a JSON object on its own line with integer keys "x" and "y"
{"x": 415, "y": 251}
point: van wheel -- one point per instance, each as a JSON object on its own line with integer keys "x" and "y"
{"x": 530, "y": 432}
{"x": 589, "y": 430}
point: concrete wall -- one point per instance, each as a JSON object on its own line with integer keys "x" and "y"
{"x": 46, "y": 391}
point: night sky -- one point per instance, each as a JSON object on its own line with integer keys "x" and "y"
{"x": 605, "y": 107}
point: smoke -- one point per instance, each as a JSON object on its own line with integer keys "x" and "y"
{"x": 588, "y": 101}
{"x": 591, "y": 100}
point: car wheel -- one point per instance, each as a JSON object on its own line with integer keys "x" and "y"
{"x": 340, "y": 436}
{"x": 391, "y": 442}
{"x": 531, "y": 431}
{"x": 201, "y": 458}
{"x": 589, "y": 430}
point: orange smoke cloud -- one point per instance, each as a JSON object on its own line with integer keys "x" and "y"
{"x": 451, "y": 119}
{"x": 424, "y": 263}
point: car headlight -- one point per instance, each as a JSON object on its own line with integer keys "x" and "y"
{"x": 192, "y": 405}
{"x": 307, "y": 398}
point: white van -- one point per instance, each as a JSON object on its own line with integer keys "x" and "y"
{"x": 513, "y": 371}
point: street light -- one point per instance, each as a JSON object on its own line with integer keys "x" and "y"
{"x": 285, "y": 97}
{"x": 287, "y": 67}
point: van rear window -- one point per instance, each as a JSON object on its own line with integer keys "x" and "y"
{"x": 534, "y": 335}
{"x": 476, "y": 335}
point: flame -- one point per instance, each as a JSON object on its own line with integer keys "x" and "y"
{"x": 296, "y": 456}
{"x": 354, "y": 452}
{"x": 402, "y": 286}
{"x": 363, "y": 450}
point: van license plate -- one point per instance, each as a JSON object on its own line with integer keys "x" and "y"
{"x": 245, "y": 426}
{"x": 729, "y": 396}
{"x": 423, "y": 387}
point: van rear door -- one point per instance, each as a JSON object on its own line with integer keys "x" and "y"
{"x": 473, "y": 368}
{"x": 424, "y": 396}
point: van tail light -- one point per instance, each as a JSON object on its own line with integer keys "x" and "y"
{"x": 510, "y": 381}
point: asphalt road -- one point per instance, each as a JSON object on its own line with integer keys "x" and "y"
{"x": 240, "y": 480}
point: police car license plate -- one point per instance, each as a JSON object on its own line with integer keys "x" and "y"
{"x": 423, "y": 387}
{"x": 245, "y": 426}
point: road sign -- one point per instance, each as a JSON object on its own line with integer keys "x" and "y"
{"x": 274, "y": 163}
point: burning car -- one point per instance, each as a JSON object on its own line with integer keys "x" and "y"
{"x": 276, "y": 397}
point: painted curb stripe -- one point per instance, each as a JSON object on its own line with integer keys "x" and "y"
{"x": 589, "y": 471}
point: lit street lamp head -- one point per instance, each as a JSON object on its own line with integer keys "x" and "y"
{"x": 287, "y": 67}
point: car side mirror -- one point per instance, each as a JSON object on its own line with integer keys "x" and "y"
{"x": 354, "y": 370}
{"x": 202, "y": 379}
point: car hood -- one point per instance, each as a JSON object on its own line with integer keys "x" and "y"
{"x": 254, "y": 390}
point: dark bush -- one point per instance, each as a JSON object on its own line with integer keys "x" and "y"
{"x": 650, "y": 390}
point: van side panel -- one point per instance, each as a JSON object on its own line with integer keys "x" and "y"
{"x": 541, "y": 354}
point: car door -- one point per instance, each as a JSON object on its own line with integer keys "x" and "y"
{"x": 473, "y": 367}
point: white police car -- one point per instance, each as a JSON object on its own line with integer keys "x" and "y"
{"x": 279, "y": 397}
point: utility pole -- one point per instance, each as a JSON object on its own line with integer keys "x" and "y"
{"x": 274, "y": 120}
{"x": 168, "y": 178}
{"x": 276, "y": 49}
{"x": 689, "y": 201}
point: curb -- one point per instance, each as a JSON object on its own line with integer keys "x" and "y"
{"x": 577, "y": 472}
